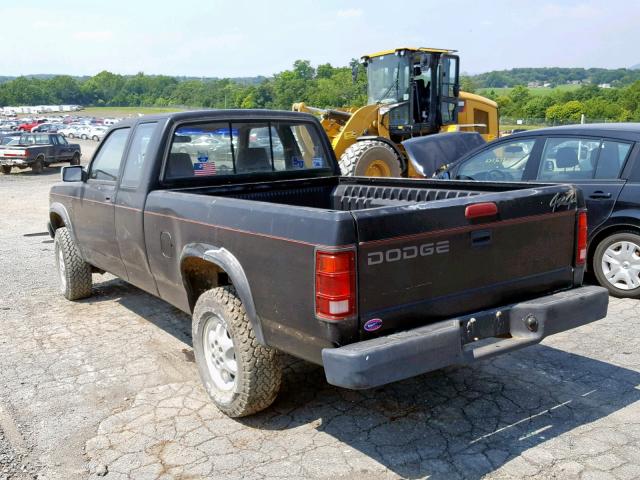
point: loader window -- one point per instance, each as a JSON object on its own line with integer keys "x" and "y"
{"x": 388, "y": 79}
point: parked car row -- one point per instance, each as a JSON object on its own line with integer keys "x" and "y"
{"x": 84, "y": 132}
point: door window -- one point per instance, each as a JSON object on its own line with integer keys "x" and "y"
{"x": 137, "y": 154}
{"x": 504, "y": 162}
{"x": 574, "y": 158}
{"x": 106, "y": 164}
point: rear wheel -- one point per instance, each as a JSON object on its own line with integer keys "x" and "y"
{"x": 616, "y": 264}
{"x": 240, "y": 375}
{"x": 38, "y": 165}
{"x": 370, "y": 158}
{"x": 6, "y": 169}
{"x": 74, "y": 274}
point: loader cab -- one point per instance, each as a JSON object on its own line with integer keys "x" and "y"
{"x": 417, "y": 90}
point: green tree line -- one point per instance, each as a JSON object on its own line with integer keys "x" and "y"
{"x": 612, "y": 104}
{"x": 556, "y": 76}
{"x": 322, "y": 86}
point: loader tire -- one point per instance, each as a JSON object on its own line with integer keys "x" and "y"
{"x": 370, "y": 158}
{"x": 74, "y": 274}
{"x": 241, "y": 376}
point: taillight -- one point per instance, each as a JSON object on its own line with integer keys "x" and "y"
{"x": 581, "y": 244}
{"x": 335, "y": 284}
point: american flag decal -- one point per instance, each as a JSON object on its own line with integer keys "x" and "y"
{"x": 204, "y": 168}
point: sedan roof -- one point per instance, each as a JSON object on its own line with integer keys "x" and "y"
{"x": 628, "y": 131}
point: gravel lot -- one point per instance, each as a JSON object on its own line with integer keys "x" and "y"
{"x": 107, "y": 388}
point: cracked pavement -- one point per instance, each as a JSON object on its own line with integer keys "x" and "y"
{"x": 107, "y": 388}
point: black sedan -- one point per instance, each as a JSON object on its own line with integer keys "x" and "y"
{"x": 604, "y": 161}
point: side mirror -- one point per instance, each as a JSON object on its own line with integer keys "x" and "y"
{"x": 73, "y": 173}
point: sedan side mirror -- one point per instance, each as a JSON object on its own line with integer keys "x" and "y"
{"x": 73, "y": 173}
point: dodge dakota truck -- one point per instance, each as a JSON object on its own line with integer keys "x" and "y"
{"x": 37, "y": 150}
{"x": 241, "y": 219}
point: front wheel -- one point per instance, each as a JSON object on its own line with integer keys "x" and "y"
{"x": 370, "y": 158}
{"x": 75, "y": 160}
{"x": 6, "y": 169}
{"x": 616, "y": 264}
{"x": 240, "y": 375}
{"x": 74, "y": 274}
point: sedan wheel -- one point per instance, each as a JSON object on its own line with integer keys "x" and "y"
{"x": 617, "y": 264}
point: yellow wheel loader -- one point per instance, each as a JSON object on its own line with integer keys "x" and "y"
{"x": 412, "y": 92}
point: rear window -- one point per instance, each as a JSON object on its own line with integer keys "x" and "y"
{"x": 231, "y": 148}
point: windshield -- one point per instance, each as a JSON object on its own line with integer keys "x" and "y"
{"x": 388, "y": 78}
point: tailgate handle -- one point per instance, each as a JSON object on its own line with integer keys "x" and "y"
{"x": 480, "y": 238}
{"x": 479, "y": 210}
{"x": 600, "y": 194}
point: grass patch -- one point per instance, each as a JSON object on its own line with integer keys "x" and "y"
{"x": 538, "y": 91}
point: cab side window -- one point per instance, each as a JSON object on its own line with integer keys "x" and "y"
{"x": 137, "y": 155}
{"x": 106, "y": 164}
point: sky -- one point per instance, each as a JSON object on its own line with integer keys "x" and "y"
{"x": 237, "y": 38}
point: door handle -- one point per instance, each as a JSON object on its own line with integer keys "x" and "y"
{"x": 600, "y": 194}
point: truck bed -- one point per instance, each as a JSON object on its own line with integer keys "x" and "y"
{"x": 348, "y": 193}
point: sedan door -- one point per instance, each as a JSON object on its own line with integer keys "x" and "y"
{"x": 591, "y": 163}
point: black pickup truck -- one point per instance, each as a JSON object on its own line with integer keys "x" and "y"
{"x": 241, "y": 219}
{"x": 37, "y": 150}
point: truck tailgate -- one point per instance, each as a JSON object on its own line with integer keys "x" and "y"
{"x": 427, "y": 261}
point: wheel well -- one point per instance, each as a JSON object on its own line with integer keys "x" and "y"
{"x": 56, "y": 221}
{"x": 605, "y": 233}
{"x": 199, "y": 275}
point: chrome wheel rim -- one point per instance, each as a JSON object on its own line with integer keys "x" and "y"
{"x": 220, "y": 353}
{"x": 621, "y": 265}
{"x": 62, "y": 271}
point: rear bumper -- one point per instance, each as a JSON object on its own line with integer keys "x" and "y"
{"x": 461, "y": 340}
{"x": 15, "y": 162}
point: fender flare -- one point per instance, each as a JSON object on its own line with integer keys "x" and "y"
{"x": 403, "y": 158}
{"x": 224, "y": 259}
{"x": 60, "y": 210}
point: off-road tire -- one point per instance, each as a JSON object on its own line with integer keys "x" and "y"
{"x": 259, "y": 372}
{"x": 6, "y": 169}
{"x": 77, "y": 271}
{"x": 75, "y": 160}
{"x": 356, "y": 159}
{"x": 627, "y": 235}
{"x": 38, "y": 165}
